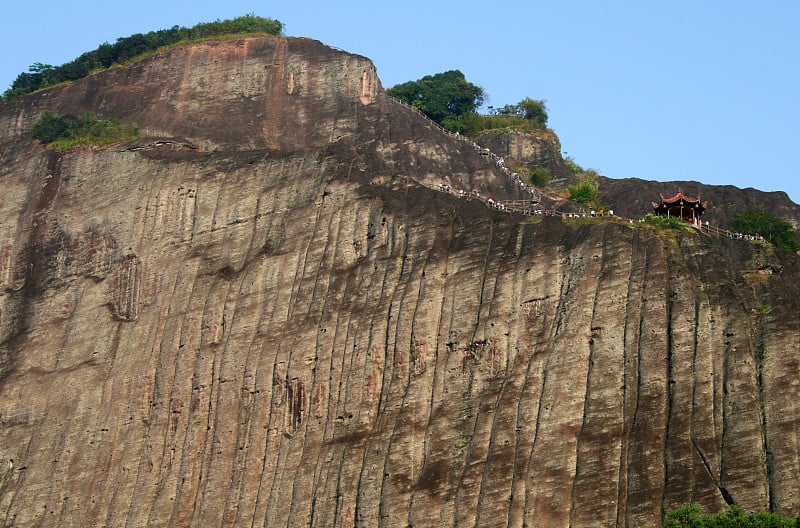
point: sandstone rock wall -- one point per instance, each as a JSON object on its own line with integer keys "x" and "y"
{"x": 542, "y": 149}
{"x": 243, "y": 94}
{"x": 312, "y": 336}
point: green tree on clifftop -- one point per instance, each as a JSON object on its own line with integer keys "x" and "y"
{"x": 126, "y": 48}
{"x": 534, "y": 110}
{"x": 445, "y": 97}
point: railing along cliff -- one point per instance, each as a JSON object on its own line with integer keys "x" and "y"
{"x": 532, "y": 207}
{"x": 714, "y": 230}
{"x": 535, "y": 197}
{"x": 431, "y": 121}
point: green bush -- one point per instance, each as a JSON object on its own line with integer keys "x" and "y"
{"x": 534, "y": 111}
{"x": 51, "y": 127}
{"x": 472, "y": 123}
{"x": 480, "y": 123}
{"x": 666, "y": 222}
{"x": 772, "y": 228}
{"x": 692, "y": 516}
{"x": 67, "y": 131}
{"x": 584, "y": 188}
{"x": 126, "y": 48}
{"x": 539, "y": 177}
{"x": 584, "y": 192}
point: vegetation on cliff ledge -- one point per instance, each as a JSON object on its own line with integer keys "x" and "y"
{"x": 41, "y": 76}
{"x": 779, "y": 232}
{"x": 452, "y": 102}
{"x": 691, "y": 516}
{"x": 666, "y": 223}
{"x": 67, "y": 131}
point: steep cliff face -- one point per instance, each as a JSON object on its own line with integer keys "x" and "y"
{"x": 284, "y": 325}
{"x": 542, "y": 149}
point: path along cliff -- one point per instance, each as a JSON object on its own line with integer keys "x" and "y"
{"x": 262, "y": 315}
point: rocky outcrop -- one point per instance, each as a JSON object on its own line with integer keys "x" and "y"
{"x": 539, "y": 149}
{"x": 285, "y": 325}
{"x": 632, "y": 197}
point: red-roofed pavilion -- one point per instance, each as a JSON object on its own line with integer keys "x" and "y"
{"x": 680, "y": 206}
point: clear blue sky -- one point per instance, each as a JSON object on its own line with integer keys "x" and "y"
{"x": 703, "y": 90}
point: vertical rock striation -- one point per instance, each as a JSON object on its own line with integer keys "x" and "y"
{"x": 269, "y": 319}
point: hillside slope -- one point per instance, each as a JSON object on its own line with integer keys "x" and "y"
{"x": 264, "y": 315}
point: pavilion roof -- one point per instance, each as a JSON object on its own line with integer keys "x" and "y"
{"x": 678, "y": 197}
{"x": 680, "y": 203}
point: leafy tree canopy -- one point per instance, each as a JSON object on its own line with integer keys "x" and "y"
{"x": 445, "y": 97}
{"x": 106, "y": 55}
{"x": 452, "y": 102}
{"x": 772, "y": 228}
{"x": 534, "y": 110}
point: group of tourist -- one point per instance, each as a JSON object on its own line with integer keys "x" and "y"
{"x": 501, "y": 164}
{"x": 534, "y": 198}
{"x": 513, "y": 205}
{"x": 745, "y": 236}
{"x": 508, "y": 206}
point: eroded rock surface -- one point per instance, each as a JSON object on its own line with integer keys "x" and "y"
{"x": 269, "y": 318}
{"x": 723, "y": 202}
